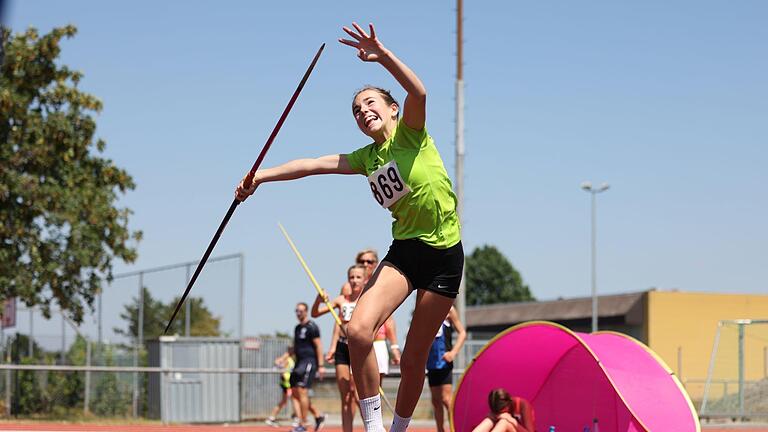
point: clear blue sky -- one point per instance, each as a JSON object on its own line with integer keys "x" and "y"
{"x": 666, "y": 101}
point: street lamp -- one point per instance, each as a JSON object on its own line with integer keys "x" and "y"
{"x": 587, "y": 187}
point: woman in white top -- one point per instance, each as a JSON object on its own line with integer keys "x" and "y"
{"x": 338, "y": 353}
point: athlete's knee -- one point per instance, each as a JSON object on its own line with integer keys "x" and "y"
{"x": 447, "y": 401}
{"x": 360, "y": 334}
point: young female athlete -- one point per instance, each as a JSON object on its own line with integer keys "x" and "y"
{"x": 406, "y": 176}
{"x": 286, "y": 362}
{"x": 387, "y": 332}
{"x": 339, "y": 350}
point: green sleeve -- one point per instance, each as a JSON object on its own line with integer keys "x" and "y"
{"x": 356, "y": 160}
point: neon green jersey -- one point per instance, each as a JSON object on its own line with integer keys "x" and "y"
{"x": 285, "y": 377}
{"x": 415, "y": 188}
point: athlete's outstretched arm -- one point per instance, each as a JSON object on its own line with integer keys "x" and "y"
{"x": 295, "y": 169}
{"x": 370, "y": 49}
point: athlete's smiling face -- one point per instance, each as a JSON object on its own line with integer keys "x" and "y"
{"x": 373, "y": 115}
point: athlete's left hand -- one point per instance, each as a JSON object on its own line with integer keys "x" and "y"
{"x": 320, "y": 373}
{"x": 369, "y": 48}
{"x": 448, "y": 356}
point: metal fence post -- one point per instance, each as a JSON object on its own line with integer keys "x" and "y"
{"x": 8, "y": 384}
{"x": 8, "y": 392}
{"x": 187, "y": 307}
{"x": 7, "y": 376}
{"x": 139, "y": 337}
{"x": 741, "y": 369}
{"x": 31, "y": 338}
{"x": 100, "y": 340}
{"x": 86, "y": 402}
{"x": 63, "y": 338}
{"x": 241, "y": 312}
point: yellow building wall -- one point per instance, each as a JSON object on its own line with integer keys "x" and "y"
{"x": 686, "y": 323}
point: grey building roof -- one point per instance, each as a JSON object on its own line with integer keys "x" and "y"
{"x": 630, "y": 306}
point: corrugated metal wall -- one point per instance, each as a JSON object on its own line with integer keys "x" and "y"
{"x": 194, "y": 397}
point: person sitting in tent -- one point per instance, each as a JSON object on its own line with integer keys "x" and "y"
{"x": 508, "y": 414}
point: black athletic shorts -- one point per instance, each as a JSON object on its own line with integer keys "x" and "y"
{"x": 341, "y": 357}
{"x": 436, "y": 270}
{"x": 439, "y": 377}
{"x": 303, "y": 373}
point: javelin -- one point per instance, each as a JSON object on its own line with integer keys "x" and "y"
{"x": 325, "y": 299}
{"x": 248, "y": 179}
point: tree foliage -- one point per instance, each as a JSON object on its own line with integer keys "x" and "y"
{"x": 111, "y": 397}
{"x": 60, "y": 227}
{"x": 157, "y": 313}
{"x": 491, "y": 278}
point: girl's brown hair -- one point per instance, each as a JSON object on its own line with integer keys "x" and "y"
{"x": 384, "y": 94}
{"x": 356, "y": 266}
{"x": 498, "y": 400}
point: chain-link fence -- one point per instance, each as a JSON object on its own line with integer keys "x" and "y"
{"x": 100, "y": 381}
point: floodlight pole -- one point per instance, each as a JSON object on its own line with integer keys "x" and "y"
{"x": 587, "y": 187}
{"x": 459, "y": 176}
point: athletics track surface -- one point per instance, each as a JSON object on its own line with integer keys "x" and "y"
{"x": 89, "y": 427}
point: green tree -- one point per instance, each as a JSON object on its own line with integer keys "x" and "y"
{"x": 111, "y": 397}
{"x": 202, "y": 322}
{"x": 60, "y": 226}
{"x": 491, "y": 278}
{"x": 68, "y": 388}
{"x": 29, "y": 393}
{"x": 157, "y": 313}
{"x": 19, "y": 347}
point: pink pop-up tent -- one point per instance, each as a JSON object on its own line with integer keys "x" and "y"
{"x": 572, "y": 378}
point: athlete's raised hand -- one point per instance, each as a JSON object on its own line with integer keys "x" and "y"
{"x": 369, "y": 48}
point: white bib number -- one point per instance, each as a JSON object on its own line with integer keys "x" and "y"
{"x": 346, "y": 311}
{"x": 387, "y": 184}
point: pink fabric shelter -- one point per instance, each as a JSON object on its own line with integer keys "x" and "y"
{"x": 571, "y": 378}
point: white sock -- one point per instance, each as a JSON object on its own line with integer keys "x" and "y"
{"x": 370, "y": 410}
{"x": 399, "y": 424}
